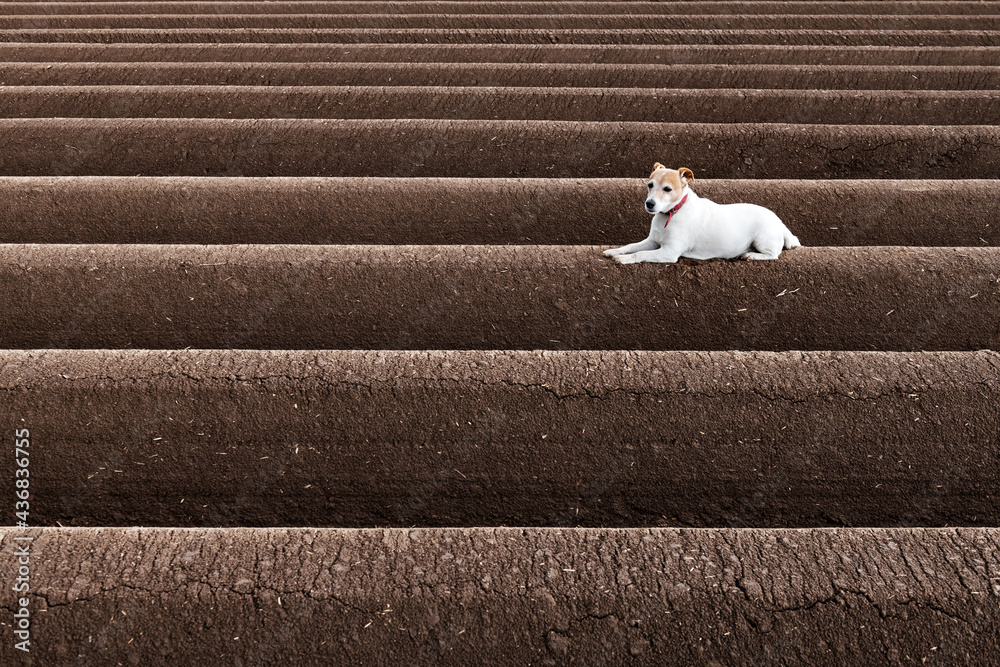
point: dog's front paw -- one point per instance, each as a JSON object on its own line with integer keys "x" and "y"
{"x": 612, "y": 252}
{"x": 626, "y": 259}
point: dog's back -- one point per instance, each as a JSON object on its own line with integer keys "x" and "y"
{"x": 731, "y": 230}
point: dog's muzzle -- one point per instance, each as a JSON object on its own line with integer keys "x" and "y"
{"x": 650, "y": 205}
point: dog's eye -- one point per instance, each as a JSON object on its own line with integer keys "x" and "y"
{"x": 666, "y": 189}
{"x": 650, "y": 185}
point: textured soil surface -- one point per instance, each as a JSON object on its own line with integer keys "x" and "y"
{"x": 647, "y": 54}
{"x": 486, "y": 149}
{"x": 885, "y": 11}
{"x": 367, "y": 438}
{"x": 305, "y": 308}
{"x": 711, "y": 76}
{"x": 918, "y": 107}
{"x": 502, "y": 596}
{"x": 441, "y": 211}
{"x": 494, "y": 297}
{"x": 473, "y": 35}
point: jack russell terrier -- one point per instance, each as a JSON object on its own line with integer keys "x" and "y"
{"x": 685, "y": 225}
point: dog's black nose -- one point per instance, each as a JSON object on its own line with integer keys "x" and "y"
{"x": 650, "y": 204}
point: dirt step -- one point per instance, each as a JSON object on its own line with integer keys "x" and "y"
{"x": 486, "y": 211}
{"x": 492, "y": 596}
{"x": 931, "y": 38}
{"x": 701, "y": 76}
{"x": 440, "y": 7}
{"x": 434, "y": 438}
{"x": 514, "y": 53}
{"x": 493, "y": 297}
{"x": 488, "y": 149}
{"x": 507, "y": 21}
{"x": 584, "y": 104}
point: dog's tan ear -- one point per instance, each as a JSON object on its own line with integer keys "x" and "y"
{"x": 658, "y": 166}
{"x": 686, "y": 174}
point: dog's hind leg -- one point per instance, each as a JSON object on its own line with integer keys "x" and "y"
{"x": 766, "y": 249}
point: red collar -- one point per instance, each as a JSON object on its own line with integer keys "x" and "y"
{"x": 670, "y": 213}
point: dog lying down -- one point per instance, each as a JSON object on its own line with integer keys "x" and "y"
{"x": 685, "y": 225}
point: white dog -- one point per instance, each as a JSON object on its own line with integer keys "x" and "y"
{"x": 685, "y": 225}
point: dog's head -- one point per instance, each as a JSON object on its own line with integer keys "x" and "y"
{"x": 666, "y": 187}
